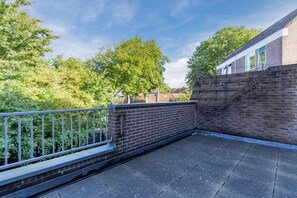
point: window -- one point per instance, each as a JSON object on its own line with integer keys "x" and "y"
{"x": 250, "y": 61}
{"x": 262, "y": 56}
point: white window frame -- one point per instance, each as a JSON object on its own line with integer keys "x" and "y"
{"x": 247, "y": 61}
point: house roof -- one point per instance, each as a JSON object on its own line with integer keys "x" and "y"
{"x": 269, "y": 31}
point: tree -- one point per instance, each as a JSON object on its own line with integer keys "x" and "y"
{"x": 211, "y": 52}
{"x": 64, "y": 84}
{"x": 133, "y": 66}
{"x": 21, "y": 37}
{"x": 165, "y": 88}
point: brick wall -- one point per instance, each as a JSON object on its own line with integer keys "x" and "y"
{"x": 289, "y": 43}
{"x": 273, "y": 53}
{"x": 240, "y": 65}
{"x": 265, "y": 108}
{"x": 145, "y": 124}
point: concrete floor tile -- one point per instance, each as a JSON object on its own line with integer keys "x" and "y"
{"x": 246, "y": 187}
{"x": 162, "y": 175}
{"x": 189, "y": 186}
{"x": 89, "y": 187}
{"x": 197, "y": 166}
{"x": 139, "y": 187}
{"x": 53, "y": 194}
{"x": 116, "y": 176}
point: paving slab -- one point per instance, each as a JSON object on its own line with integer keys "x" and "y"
{"x": 116, "y": 176}
{"x": 189, "y": 186}
{"x": 197, "y": 166}
{"x": 167, "y": 194}
{"x": 139, "y": 187}
{"x": 162, "y": 174}
{"x": 89, "y": 187}
{"x": 246, "y": 187}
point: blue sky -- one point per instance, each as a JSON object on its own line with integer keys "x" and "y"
{"x": 177, "y": 25}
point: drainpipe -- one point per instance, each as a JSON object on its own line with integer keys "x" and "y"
{"x": 235, "y": 66}
{"x": 122, "y": 117}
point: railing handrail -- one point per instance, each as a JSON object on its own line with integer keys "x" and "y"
{"x": 50, "y": 111}
{"x": 68, "y": 130}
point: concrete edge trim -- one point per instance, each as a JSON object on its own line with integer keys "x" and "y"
{"x": 38, "y": 168}
{"x": 246, "y": 139}
{"x": 116, "y": 106}
{"x": 70, "y": 177}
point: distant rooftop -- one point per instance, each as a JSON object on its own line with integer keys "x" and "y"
{"x": 269, "y": 31}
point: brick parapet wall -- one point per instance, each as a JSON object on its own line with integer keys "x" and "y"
{"x": 265, "y": 108}
{"x": 146, "y": 124}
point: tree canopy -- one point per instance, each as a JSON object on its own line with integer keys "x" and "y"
{"x": 134, "y": 66}
{"x": 21, "y": 36}
{"x": 212, "y": 51}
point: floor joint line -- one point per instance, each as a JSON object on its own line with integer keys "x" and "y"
{"x": 275, "y": 176}
{"x": 232, "y": 171}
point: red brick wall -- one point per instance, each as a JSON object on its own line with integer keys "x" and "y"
{"x": 240, "y": 65}
{"x": 149, "y": 123}
{"x": 144, "y": 124}
{"x": 274, "y": 53}
{"x": 290, "y": 44}
{"x": 265, "y": 108}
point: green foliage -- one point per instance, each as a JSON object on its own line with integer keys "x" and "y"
{"x": 185, "y": 97}
{"x": 30, "y": 83}
{"x": 164, "y": 88}
{"x": 211, "y": 52}
{"x": 69, "y": 83}
{"x": 133, "y": 66}
{"x": 21, "y": 37}
{"x": 72, "y": 84}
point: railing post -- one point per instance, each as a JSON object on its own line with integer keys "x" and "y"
{"x": 5, "y": 141}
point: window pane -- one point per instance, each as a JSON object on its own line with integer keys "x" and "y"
{"x": 252, "y": 62}
{"x": 262, "y": 58}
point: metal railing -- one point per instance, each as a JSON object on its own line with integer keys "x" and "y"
{"x": 27, "y": 137}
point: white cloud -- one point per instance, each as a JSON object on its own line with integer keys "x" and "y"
{"x": 181, "y": 6}
{"x": 122, "y": 12}
{"x": 189, "y": 48}
{"x": 192, "y": 42}
{"x": 175, "y": 73}
{"x": 70, "y": 44}
{"x": 58, "y": 29}
{"x": 92, "y": 12}
{"x": 73, "y": 46}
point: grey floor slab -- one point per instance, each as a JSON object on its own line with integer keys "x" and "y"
{"x": 197, "y": 166}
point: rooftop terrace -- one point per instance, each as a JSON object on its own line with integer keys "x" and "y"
{"x": 48, "y": 149}
{"x": 196, "y": 166}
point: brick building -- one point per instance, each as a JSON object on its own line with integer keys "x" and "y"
{"x": 277, "y": 45}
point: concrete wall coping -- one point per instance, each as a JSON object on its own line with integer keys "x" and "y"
{"x": 31, "y": 170}
{"x": 135, "y": 105}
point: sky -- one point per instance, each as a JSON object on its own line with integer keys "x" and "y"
{"x": 178, "y": 26}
